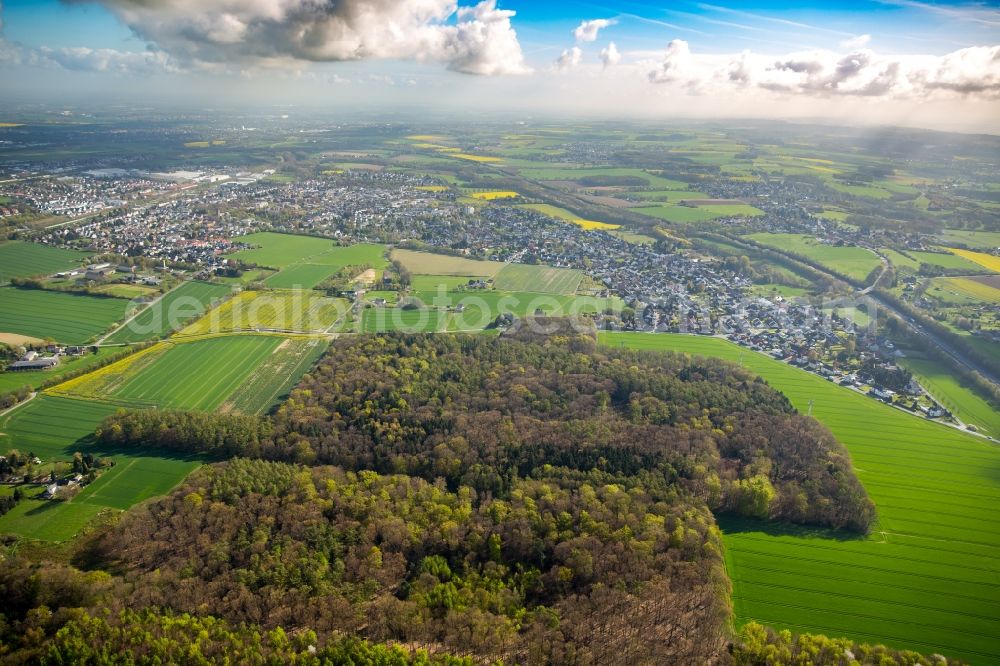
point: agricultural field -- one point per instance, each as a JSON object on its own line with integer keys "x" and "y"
{"x": 667, "y": 196}
{"x": 302, "y": 311}
{"x": 428, "y": 263}
{"x": 281, "y": 250}
{"x": 69, "y": 318}
{"x": 987, "y": 261}
{"x": 566, "y": 216}
{"x": 981, "y": 240}
{"x": 315, "y": 269}
{"x": 173, "y": 311}
{"x": 200, "y": 374}
{"x": 127, "y": 291}
{"x": 421, "y": 320}
{"x": 959, "y": 400}
{"x": 54, "y": 428}
{"x": 493, "y": 196}
{"x": 433, "y": 283}
{"x": 540, "y": 171}
{"x": 964, "y": 290}
{"x": 22, "y": 259}
{"x": 12, "y": 381}
{"x": 925, "y": 579}
{"x": 543, "y": 279}
{"x": 275, "y": 376}
{"x": 854, "y": 262}
{"x": 947, "y": 260}
{"x": 899, "y": 260}
{"x": 676, "y": 213}
{"x": 682, "y": 214}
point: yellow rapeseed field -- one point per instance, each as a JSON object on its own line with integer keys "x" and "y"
{"x": 102, "y": 381}
{"x": 490, "y": 196}
{"x": 987, "y": 261}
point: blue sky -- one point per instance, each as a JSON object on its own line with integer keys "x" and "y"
{"x": 546, "y": 25}
{"x": 775, "y": 56}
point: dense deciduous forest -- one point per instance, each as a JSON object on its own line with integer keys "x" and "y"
{"x": 482, "y": 413}
{"x": 478, "y": 498}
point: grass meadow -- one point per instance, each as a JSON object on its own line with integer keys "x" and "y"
{"x": 69, "y": 318}
{"x": 23, "y": 259}
{"x": 313, "y": 270}
{"x": 925, "y": 579}
{"x": 854, "y": 262}
{"x": 53, "y": 428}
{"x": 176, "y": 308}
{"x": 946, "y": 389}
{"x": 285, "y": 310}
{"x": 281, "y": 250}
{"x": 542, "y": 279}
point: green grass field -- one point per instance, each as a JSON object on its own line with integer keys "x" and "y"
{"x": 947, "y": 260}
{"x": 21, "y": 259}
{"x": 53, "y": 428}
{"x": 899, "y": 260}
{"x": 977, "y": 240}
{"x": 68, "y": 318}
{"x": 287, "y": 310}
{"x": 542, "y": 172}
{"x": 173, "y": 311}
{"x": 959, "y": 400}
{"x": 300, "y": 276}
{"x": 963, "y": 291}
{"x": 11, "y": 381}
{"x": 676, "y": 213}
{"x": 275, "y": 376}
{"x": 198, "y": 375}
{"x": 543, "y": 279}
{"x": 854, "y": 262}
{"x": 281, "y": 250}
{"x": 926, "y": 578}
{"x": 314, "y": 269}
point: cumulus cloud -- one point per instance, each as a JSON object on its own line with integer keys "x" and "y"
{"x": 569, "y": 58}
{"x": 476, "y": 39}
{"x": 860, "y": 73}
{"x": 587, "y": 30}
{"x": 610, "y": 55}
{"x": 675, "y": 65}
{"x": 85, "y": 59}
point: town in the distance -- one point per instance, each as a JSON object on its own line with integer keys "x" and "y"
{"x": 178, "y": 293}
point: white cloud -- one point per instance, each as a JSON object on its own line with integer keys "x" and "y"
{"x": 610, "y": 55}
{"x": 587, "y": 30}
{"x": 84, "y": 59}
{"x": 675, "y": 65}
{"x": 569, "y": 58}
{"x": 476, "y": 39}
{"x": 858, "y": 42}
{"x": 861, "y": 72}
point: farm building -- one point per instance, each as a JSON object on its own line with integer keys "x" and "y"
{"x": 35, "y": 362}
{"x": 98, "y": 271}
